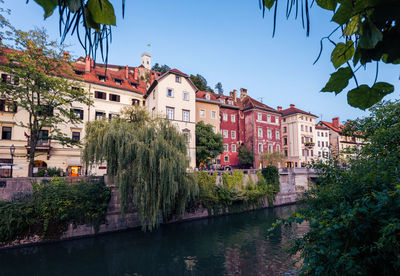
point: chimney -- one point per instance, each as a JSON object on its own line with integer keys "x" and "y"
{"x": 234, "y": 94}
{"x": 87, "y": 64}
{"x": 231, "y": 94}
{"x": 292, "y": 105}
{"x": 126, "y": 72}
{"x": 243, "y": 92}
{"x": 279, "y": 108}
{"x": 335, "y": 122}
{"x": 66, "y": 56}
{"x": 136, "y": 73}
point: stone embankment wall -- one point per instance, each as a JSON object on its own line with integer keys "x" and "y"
{"x": 292, "y": 184}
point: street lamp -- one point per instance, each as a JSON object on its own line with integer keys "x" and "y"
{"x": 12, "y": 151}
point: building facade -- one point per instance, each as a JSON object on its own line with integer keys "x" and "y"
{"x": 173, "y": 95}
{"x": 322, "y": 145}
{"x": 207, "y": 109}
{"x": 298, "y": 130}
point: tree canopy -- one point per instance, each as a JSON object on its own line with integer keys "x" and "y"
{"x": 200, "y": 82}
{"x": 208, "y": 143}
{"x": 246, "y": 157}
{"x": 39, "y": 81}
{"x": 161, "y": 68}
{"x": 148, "y": 160}
{"x": 219, "y": 88}
{"x": 369, "y": 32}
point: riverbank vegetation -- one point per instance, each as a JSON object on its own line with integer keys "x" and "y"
{"x": 237, "y": 192}
{"x": 51, "y": 207}
{"x": 354, "y": 212}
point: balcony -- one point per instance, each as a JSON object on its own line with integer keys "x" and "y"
{"x": 42, "y": 146}
{"x": 309, "y": 144}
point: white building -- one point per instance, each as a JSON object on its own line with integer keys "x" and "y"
{"x": 174, "y": 95}
{"x": 322, "y": 149}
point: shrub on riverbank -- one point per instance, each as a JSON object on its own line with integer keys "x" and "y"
{"x": 234, "y": 193}
{"x": 51, "y": 207}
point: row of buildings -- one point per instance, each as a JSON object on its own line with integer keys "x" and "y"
{"x": 239, "y": 118}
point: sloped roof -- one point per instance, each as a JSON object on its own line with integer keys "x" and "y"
{"x": 202, "y": 95}
{"x": 331, "y": 126}
{"x": 248, "y": 102}
{"x": 293, "y": 110}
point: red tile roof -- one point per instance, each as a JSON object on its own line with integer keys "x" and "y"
{"x": 331, "y": 126}
{"x": 202, "y": 95}
{"x": 176, "y": 71}
{"x": 293, "y": 110}
{"x": 248, "y": 102}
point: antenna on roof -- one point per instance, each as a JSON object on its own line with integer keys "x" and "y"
{"x": 261, "y": 99}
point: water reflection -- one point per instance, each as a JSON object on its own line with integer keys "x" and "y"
{"x": 229, "y": 245}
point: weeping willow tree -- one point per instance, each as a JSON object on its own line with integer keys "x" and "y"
{"x": 148, "y": 160}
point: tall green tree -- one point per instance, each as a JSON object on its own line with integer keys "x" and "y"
{"x": 219, "y": 88}
{"x": 368, "y": 31}
{"x": 272, "y": 158}
{"x": 148, "y": 161}
{"x": 208, "y": 143}
{"x": 200, "y": 82}
{"x": 161, "y": 68}
{"x": 354, "y": 212}
{"x": 246, "y": 156}
{"x": 39, "y": 81}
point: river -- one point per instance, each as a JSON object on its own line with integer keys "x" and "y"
{"x": 225, "y": 245}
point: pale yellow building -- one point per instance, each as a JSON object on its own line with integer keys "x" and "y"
{"x": 298, "y": 130}
{"x": 207, "y": 109}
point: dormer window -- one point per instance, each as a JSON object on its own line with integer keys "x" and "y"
{"x": 230, "y": 102}
{"x": 222, "y": 100}
{"x": 133, "y": 84}
{"x": 207, "y": 96}
{"x": 102, "y": 78}
{"x": 79, "y": 73}
{"x": 118, "y": 81}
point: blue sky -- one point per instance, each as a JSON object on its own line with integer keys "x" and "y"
{"x": 226, "y": 41}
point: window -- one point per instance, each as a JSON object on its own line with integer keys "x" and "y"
{"x": 302, "y": 128}
{"x": 185, "y": 96}
{"x": 153, "y": 112}
{"x": 278, "y": 135}
{"x": 187, "y": 134}
{"x": 99, "y": 115}
{"x": 225, "y": 132}
{"x": 233, "y": 148}
{"x": 269, "y": 134}
{"x": 268, "y": 118}
{"x": 318, "y": 133}
{"x": 79, "y": 73}
{"x": 6, "y": 133}
{"x": 112, "y": 115}
{"x": 233, "y": 134}
{"x": 214, "y": 129}
{"x": 260, "y": 148}
{"x": 185, "y": 115}
{"x": 100, "y": 95}
{"x": 226, "y": 158}
{"x": 312, "y": 153}
{"x": 207, "y": 96}
{"x": 310, "y": 128}
{"x": 284, "y": 119}
{"x": 170, "y": 113}
{"x": 302, "y": 140}
{"x": 114, "y": 98}
{"x": 285, "y": 141}
{"x": 177, "y": 79}
{"x": 78, "y": 113}
{"x": 319, "y": 143}
{"x": 278, "y": 148}
{"x": 154, "y": 95}
{"x": 327, "y": 143}
{"x": 170, "y": 93}
{"x": 226, "y": 149}
{"x": 284, "y": 129}
{"x": 286, "y": 153}
{"x": 319, "y": 154}
{"x": 43, "y": 137}
{"x": 102, "y": 78}
{"x": 276, "y": 119}
{"x": 326, "y": 134}
{"x": 270, "y": 148}
{"x": 201, "y": 113}
{"x": 233, "y": 118}
{"x": 76, "y": 136}
{"x": 306, "y": 127}
{"x": 259, "y": 116}
{"x": 230, "y": 102}
{"x": 7, "y": 106}
{"x": 118, "y": 81}
{"x": 225, "y": 117}
{"x": 135, "y": 102}
{"x": 322, "y": 143}
{"x": 260, "y": 132}
{"x": 213, "y": 113}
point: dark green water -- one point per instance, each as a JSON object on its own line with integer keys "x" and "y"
{"x": 227, "y": 245}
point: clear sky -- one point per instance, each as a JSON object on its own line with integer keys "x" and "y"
{"x": 225, "y": 41}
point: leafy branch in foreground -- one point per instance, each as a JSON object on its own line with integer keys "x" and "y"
{"x": 369, "y": 32}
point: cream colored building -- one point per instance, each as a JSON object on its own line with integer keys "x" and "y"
{"x": 110, "y": 92}
{"x": 207, "y": 109}
{"x": 298, "y": 130}
{"x": 174, "y": 95}
{"x": 322, "y": 143}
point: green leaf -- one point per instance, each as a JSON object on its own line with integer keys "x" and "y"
{"x": 338, "y": 80}
{"x": 269, "y": 3}
{"x": 344, "y": 12}
{"x": 352, "y": 26}
{"x": 48, "y": 6}
{"x": 342, "y": 53}
{"x": 364, "y": 97}
{"x": 357, "y": 56}
{"x": 90, "y": 22}
{"x": 102, "y": 14}
{"x": 74, "y": 5}
{"x": 370, "y": 35}
{"x": 327, "y": 4}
